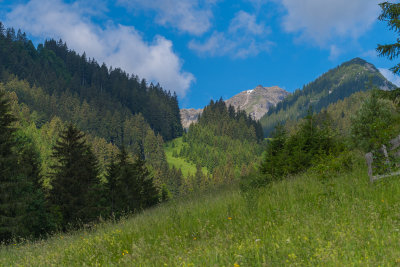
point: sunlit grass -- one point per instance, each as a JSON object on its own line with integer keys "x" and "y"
{"x": 186, "y": 167}
{"x": 306, "y": 220}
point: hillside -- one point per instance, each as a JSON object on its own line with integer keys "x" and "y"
{"x": 340, "y": 221}
{"x": 256, "y": 102}
{"x": 112, "y": 94}
{"x": 336, "y": 84}
{"x": 171, "y": 152}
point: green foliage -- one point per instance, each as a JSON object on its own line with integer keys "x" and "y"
{"x": 129, "y": 185}
{"x": 222, "y": 141}
{"x": 75, "y": 183}
{"x": 391, "y": 15}
{"x": 172, "y": 151}
{"x": 372, "y": 124}
{"x": 22, "y": 203}
{"x": 133, "y": 132}
{"x": 331, "y": 165}
{"x": 287, "y": 155}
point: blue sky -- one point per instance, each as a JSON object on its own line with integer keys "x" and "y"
{"x": 205, "y": 49}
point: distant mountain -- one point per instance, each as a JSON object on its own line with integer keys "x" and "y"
{"x": 336, "y": 84}
{"x": 256, "y": 102}
{"x": 188, "y": 116}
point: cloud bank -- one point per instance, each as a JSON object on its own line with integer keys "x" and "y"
{"x": 244, "y": 37}
{"x": 116, "y": 45}
{"x": 321, "y": 21}
{"x": 190, "y": 16}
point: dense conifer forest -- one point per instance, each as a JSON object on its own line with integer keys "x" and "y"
{"x": 111, "y": 95}
{"x": 77, "y": 133}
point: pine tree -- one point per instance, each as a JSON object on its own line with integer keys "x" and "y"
{"x": 75, "y": 180}
{"x": 36, "y": 219}
{"x": 391, "y": 15}
{"x": 8, "y": 178}
{"x": 22, "y": 204}
{"x": 273, "y": 163}
{"x": 111, "y": 186}
{"x": 128, "y": 198}
{"x": 135, "y": 186}
{"x": 149, "y": 193}
{"x": 199, "y": 178}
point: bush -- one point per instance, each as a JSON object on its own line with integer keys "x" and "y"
{"x": 333, "y": 165}
{"x": 372, "y": 125}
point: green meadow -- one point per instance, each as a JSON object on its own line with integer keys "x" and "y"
{"x": 186, "y": 167}
{"x": 302, "y": 221}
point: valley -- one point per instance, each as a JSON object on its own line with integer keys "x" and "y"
{"x": 101, "y": 166}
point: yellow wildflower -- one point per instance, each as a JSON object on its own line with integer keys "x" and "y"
{"x": 229, "y": 218}
{"x": 236, "y": 265}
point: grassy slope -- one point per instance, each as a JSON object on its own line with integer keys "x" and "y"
{"x": 179, "y": 163}
{"x": 304, "y": 221}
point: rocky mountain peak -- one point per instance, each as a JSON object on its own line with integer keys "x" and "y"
{"x": 257, "y": 101}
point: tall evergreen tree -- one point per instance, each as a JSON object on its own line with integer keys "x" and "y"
{"x": 134, "y": 184}
{"x": 22, "y": 204}
{"x": 391, "y": 15}
{"x": 111, "y": 186}
{"x": 8, "y": 179}
{"x": 75, "y": 180}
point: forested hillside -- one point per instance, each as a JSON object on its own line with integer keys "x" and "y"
{"x": 224, "y": 141}
{"x": 346, "y": 79}
{"x": 112, "y": 95}
{"x": 78, "y": 140}
{"x": 55, "y": 85}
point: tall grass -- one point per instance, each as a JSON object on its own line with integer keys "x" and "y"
{"x": 305, "y": 220}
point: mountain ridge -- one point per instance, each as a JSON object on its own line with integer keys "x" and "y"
{"x": 336, "y": 84}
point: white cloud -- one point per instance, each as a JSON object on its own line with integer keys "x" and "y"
{"x": 246, "y": 22}
{"x": 322, "y": 21}
{"x": 370, "y": 54}
{"x": 191, "y": 16}
{"x": 244, "y": 37}
{"x": 395, "y": 79}
{"x": 334, "y": 52}
{"x": 116, "y": 45}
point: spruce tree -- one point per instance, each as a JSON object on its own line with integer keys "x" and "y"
{"x": 75, "y": 180}
{"x": 22, "y": 204}
{"x": 111, "y": 186}
{"x": 149, "y": 193}
{"x": 134, "y": 185}
{"x": 8, "y": 178}
{"x": 391, "y": 15}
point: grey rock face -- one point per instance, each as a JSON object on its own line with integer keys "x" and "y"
{"x": 257, "y": 101}
{"x": 189, "y": 116}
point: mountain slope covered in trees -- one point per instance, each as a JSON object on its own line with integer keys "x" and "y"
{"x": 112, "y": 93}
{"x": 346, "y": 79}
{"x": 224, "y": 141}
